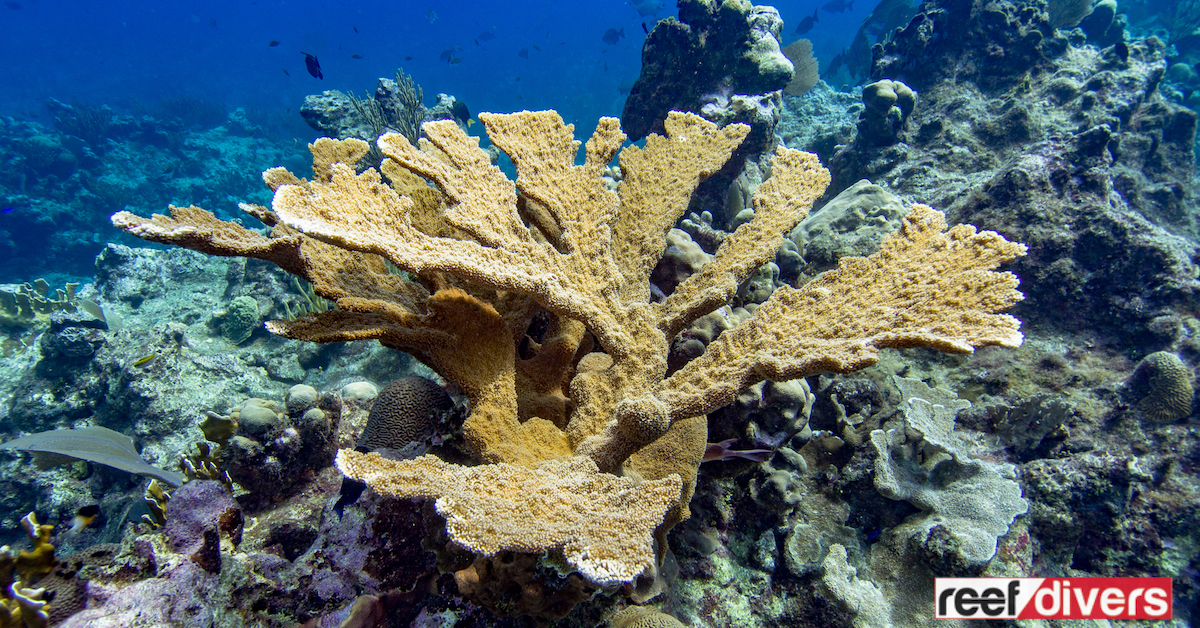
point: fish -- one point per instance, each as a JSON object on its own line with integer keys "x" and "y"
{"x": 612, "y": 35}
{"x": 349, "y": 493}
{"x": 446, "y": 55}
{"x": 523, "y": 53}
{"x": 456, "y": 60}
{"x": 721, "y": 451}
{"x": 460, "y": 111}
{"x": 408, "y": 57}
{"x": 838, "y": 6}
{"x": 485, "y": 36}
{"x": 314, "y": 66}
{"x": 355, "y": 56}
{"x": 836, "y": 64}
{"x": 273, "y": 43}
{"x": 431, "y": 16}
{"x": 143, "y": 361}
{"x": 355, "y": 28}
{"x": 87, "y": 517}
{"x": 644, "y": 29}
{"x": 537, "y": 48}
{"x": 516, "y": 80}
{"x": 624, "y": 87}
{"x": 648, "y": 7}
{"x": 285, "y": 71}
{"x": 807, "y": 23}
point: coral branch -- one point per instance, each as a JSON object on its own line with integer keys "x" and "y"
{"x": 926, "y": 287}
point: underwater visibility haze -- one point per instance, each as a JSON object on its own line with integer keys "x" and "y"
{"x": 632, "y": 314}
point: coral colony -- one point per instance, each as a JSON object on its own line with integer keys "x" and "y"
{"x": 449, "y": 382}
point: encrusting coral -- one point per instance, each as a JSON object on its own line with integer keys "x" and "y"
{"x": 589, "y": 399}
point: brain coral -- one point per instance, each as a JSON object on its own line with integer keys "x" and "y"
{"x": 1168, "y": 385}
{"x": 406, "y": 410}
{"x": 642, "y": 617}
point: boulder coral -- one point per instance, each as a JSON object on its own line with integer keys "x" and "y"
{"x": 583, "y": 426}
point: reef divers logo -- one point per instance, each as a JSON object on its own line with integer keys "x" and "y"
{"x": 1052, "y": 598}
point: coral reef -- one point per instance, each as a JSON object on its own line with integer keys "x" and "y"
{"x": 583, "y": 254}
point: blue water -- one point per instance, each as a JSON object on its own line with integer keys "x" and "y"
{"x": 108, "y": 53}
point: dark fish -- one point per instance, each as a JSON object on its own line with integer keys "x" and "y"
{"x": 838, "y": 6}
{"x": 537, "y": 48}
{"x": 807, "y": 23}
{"x": 14, "y": 6}
{"x": 460, "y": 111}
{"x": 836, "y": 64}
{"x": 486, "y": 36}
{"x": 644, "y": 29}
{"x": 431, "y": 16}
{"x": 285, "y": 71}
{"x": 349, "y": 493}
{"x": 624, "y": 87}
{"x": 456, "y": 60}
{"x": 355, "y": 28}
{"x": 273, "y": 43}
{"x": 605, "y": 66}
{"x": 314, "y": 66}
{"x": 446, "y": 55}
{"x": 612, "y": 35}
{"x": 518, "y": 80}
{"x": 87, "y": 517}
{"x": 355, "y": 56}
{"x": 523, "y": 53}
{"x": 408, "y": 57}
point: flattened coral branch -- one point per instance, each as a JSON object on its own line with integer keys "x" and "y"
{"x": 334, "y": 273}
{"x": 797, "y": 179}
{"x": 657, "y": 185}
{"x": 602, "y": 523}
{"x": 926, "y": 287}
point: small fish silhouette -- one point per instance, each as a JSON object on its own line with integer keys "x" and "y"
{"x": 523, "y": 53}
{"x": 408, "y": 57}
{"x": 314, "y": 66}
{"x": 838, "y": 6}
{"x": 644, "y": 29}
{"x": 356, "y": 56}
{"x": 273, "y": 43}
{"x": 460, "y": 111}
{"x": 456, "y": 61}
{"x": 537, "y": 48}
{"x": 807, "y": 23}
{"x": 431, "y": 16}
{"x": 836, "y": 64}
{"x": 355, "y": 28}
{"x": 612, "y": 35}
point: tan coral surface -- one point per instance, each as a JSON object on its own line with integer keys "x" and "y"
{"x": 602, "y": 523}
